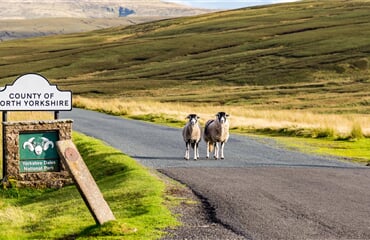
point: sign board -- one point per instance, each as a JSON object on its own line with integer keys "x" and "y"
{"x": 38, "y": 152}
{"x": 33, "y": 92}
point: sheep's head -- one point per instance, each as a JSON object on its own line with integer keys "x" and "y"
{"x": 222, "y": 117}
{"x": 38, "y": 147}
{"x": 193, "y": 118}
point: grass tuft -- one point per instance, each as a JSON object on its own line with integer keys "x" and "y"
{"x": 324, "y": 133}
{"x": 111, "y": 228}
{"x": 356, "y": 131}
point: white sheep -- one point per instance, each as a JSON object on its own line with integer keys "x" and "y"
{"x": 217, "y": 131}
{"x": 192, "y": 134}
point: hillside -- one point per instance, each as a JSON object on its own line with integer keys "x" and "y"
{"x": 303, "y": 55}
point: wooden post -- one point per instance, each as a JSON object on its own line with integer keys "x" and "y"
{"x": 56, "y": 115}
{"x": 5, "y": 119}
{"x": 85, "y": 182}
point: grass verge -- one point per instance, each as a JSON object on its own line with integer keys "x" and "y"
{"x": 136, "y": 197}
{"x": 356, "y": 150}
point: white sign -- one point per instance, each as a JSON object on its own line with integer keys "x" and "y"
{"x": 33, "y": 92}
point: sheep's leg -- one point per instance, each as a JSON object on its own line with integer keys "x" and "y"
{"x": 216, "y": 151}
{"x": 207, "y": 143}
{"x": 222, "y": 150}
{"x": 195, "y": 151}
{"x": 186, "y": 157}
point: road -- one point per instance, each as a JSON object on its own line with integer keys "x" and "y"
{"x": 260, "y": 190}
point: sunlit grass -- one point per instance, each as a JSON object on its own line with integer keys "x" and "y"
{"x": 357, "y": 151}
{"x": 28, "y": 116}
{"x": 302, "y": 123}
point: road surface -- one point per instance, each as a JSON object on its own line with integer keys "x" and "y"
{"x": 260, "y": 190}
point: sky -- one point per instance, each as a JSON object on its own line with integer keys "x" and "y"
{"x": 227, "y": 4}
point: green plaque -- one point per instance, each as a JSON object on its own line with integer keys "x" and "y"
{"x": 38, "y": 152}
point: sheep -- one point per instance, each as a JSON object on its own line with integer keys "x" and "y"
{"x": 192, "y": 134}
{"x": 216, "y": 131}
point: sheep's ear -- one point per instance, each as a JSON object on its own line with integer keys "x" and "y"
{"x": 227, "y": 115}
{"x": 198, "y": 117}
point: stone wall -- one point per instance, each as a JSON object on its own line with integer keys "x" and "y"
{"x": 12, "y": 155}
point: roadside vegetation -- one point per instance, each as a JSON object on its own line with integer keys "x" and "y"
{"x": 138, "y": 199}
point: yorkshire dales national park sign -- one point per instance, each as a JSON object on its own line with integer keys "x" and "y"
{"x": 38, "y": 152}
{"x": 32, "y": 92}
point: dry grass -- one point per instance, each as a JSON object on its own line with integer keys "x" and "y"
{"x": 29, "y": 116}
{"x": 341, "y": 125}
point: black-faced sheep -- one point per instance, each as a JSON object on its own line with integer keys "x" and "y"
{"x": 217, "y": 131}
{"x": 192, "y": 134}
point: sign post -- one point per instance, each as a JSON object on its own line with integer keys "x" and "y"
{"x": 32, "y": 150}
{"x": 29, "y": 148}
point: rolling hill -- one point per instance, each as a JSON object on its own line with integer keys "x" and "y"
{"x": 303, "y": 55}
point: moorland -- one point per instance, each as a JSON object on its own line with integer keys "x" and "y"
{"x": 301, "y": 65}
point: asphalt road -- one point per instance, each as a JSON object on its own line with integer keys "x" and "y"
{"x": 260, "y": 190}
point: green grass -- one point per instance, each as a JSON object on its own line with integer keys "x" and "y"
{"x": 356, "y": 150}
{"x": 299, "y": 55}
{"x": 136, "y": 197}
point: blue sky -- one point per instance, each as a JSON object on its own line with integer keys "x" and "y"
{"x": 225, "y": 4}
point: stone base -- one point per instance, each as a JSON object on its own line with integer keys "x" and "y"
{"x": 12, "y": 155}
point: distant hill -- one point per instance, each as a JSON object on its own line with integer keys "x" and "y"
{"x": 23, "y": 19}
{"x": 31, "y": 9}
{"x": 27, "y": 28}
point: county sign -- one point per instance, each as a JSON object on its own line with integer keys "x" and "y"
{"x": 30, "y": 156}
{"x": 32, "y": 92}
